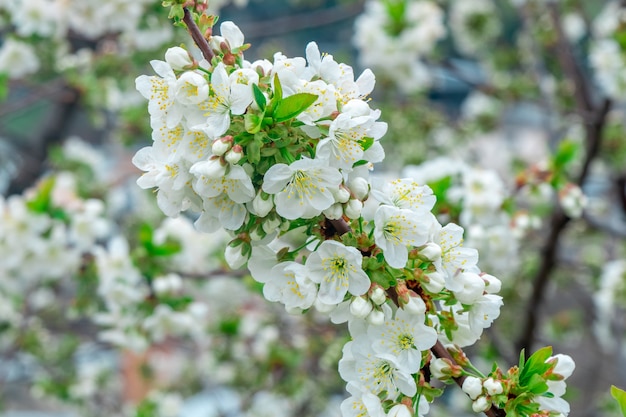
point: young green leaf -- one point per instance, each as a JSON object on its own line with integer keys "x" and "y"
{"x": 620, "y": 397}
{"x": 259, "y": 97}
{"x": 278, "y": 89}
{"x": 291, "y": 106}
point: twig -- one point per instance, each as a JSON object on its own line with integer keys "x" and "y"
{"x": 197, "y": 36}
{"x": 559, "y": 220}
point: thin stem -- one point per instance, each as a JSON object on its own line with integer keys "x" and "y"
{"x": 197, "y": 36}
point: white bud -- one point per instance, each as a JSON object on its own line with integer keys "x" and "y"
{"x": 440, "y": 369}
{"x": 376, "y": 318}
{"x": 220, "y": 147}
{"x": 262, "y": 206}
{"x": 213, "y": 168}
{"x": 160, "y": 285}
{"x": 400, "y": 410}
{"x": 178, "y": 58}
{"x": 492, "y": 284}
{"x": 415, "y": 305}
{"x": 360, "y": 307}
{"x": 431, "y": 251}
{"x": 234, "y": 256}
{"x": 359, "y": 187}
{"x": 341, "y": 195}
{"x": 257, "y": 233}
{"x": 378, "y": 296}
{"x": 480, "y": 404}
{"x": 472, "y": 386}
{"x": 334, "y": 212}
{"x": 233, "y": 157}
{"x": 353, "y": 209}
{"x": 492, "y": 386}
{"x": 436, "y": 282}
{"x": 271, "y": 225}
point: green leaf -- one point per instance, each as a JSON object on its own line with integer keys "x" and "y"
{"x": 259, "y": 97}
{"x": 620, "y": 397}
{"x": 4, "y": 86}
{"x": 278, "y": 89}
{"x": 41, "y": 203}
{"x": 536, "y": 365}
{"x": 176, "y": 12}
{"x": 253, "y": 151}
{"x": 565, "y": 153}
{"x": 292, "y": 106}
{"x": 537, "y": 385}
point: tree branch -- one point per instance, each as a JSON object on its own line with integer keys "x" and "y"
{"x": 559, "y": 220}
{"x": 197, "y": 36}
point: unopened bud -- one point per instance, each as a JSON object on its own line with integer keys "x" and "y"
{"x": 415, "y": 305}
{"x": 472, "y": 386}
{"x": 359, "y": 187}
{"x": 360, "y": 307}
{"x": 213, "y": 168}
{"x": 400, "y": 410}
{"x": 492, "y": 386}
{"x": 237, "y": 254}
{"x": 431, "y": 251}
{"x": 271, "y": 225}
{"x": 441, "y": 369}
{"x": 353, "y": 209}
{"x": 435, "y": 282}
{"x": 334, "y": 212}
{"x": 178, "y": 58}
{"x": 341, "y": 195}
{"x": 257, "y": 233}
{"x": 234, "y": 155}
{"x": 481, "y": 404}
{"x": 262, "y": 205}
{"x": 222, "y": 145}
{"x": 378, "y": 295}
{"x": 376, "y": 318}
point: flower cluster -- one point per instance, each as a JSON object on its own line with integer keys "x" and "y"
{"x": 537, "y": 384}
{"x": 393, "y": 36}
{"x": 607, "y": 54}
{"x": 279, "y": 154}
{"x": 47, "y": 234}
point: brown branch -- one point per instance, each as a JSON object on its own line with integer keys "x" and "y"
{"x": 197, "y": 36}
{"x": 559, "y": 220}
